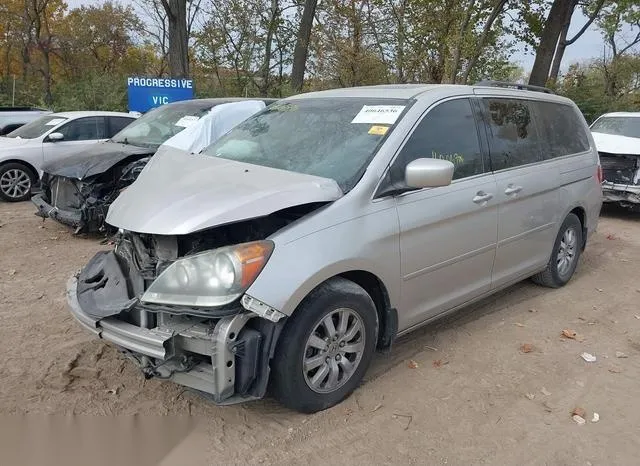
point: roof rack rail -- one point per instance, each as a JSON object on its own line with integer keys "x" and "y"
{"x": 526, "y": 87}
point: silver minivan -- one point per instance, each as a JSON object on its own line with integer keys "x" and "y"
{"x": 325, "y": 226}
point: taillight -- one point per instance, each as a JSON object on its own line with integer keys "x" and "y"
{"x": 600, "y": 175}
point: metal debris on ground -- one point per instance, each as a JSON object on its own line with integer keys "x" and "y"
{"x": 588, "y": 357}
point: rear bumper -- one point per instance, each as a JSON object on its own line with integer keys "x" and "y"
{"x": 221, "y": 357}
{"x": 45, "y": 210}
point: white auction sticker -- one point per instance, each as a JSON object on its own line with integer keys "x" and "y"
{"x": 55, "y": 121}
{"x": 187, "y": 121}
{"x": 378, "y": 114}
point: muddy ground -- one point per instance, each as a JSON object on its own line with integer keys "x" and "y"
{"x": 458, "y": 392}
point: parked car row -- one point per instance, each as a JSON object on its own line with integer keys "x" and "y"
{"x": 322, "y": 227}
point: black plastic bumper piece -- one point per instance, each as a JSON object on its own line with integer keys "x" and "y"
{"x": 45, "y": 210}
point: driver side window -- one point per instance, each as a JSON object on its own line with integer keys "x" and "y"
{"x": 448, "y": 132}
{"x": 84, "y": 129}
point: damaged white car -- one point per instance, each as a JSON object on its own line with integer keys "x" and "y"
{"x": 617, "y": 137}
{"x": 322, "y": 227}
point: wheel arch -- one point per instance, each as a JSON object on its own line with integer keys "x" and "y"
{"x": 31, "y": 168}
{"x": 580, "y": 212}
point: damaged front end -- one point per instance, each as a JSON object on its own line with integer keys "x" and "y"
{"x": 83, "y": 203}
{"x": 621, "y": 183}
{"x": 223, "y": 351}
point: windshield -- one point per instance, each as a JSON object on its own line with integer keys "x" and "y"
{"x": 155, "y": 127}
{"x": 37, "y": 128}
{"x": 620, "y": 126}
{"x": 330, "y": 137}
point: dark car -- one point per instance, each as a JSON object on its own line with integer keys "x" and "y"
{"x": 12, "y": 118}
{"x": 78, "y": 190}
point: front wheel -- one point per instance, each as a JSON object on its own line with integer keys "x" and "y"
{"x": 326, "y": 347}
{"x": 565, "y": 255}
{"x": 16, "y": 181}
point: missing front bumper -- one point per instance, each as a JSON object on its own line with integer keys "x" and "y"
{"x": 225, "y": 357}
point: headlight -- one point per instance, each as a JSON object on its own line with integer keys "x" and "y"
{"x": 211, "y": 278}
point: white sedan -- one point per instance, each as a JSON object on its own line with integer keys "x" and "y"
{"x": 25, "y": 150}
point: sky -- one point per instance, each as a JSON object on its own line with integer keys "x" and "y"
{"x": 590, "y": 45}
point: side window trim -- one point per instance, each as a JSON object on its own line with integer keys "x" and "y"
{"x": 378, "y": 192}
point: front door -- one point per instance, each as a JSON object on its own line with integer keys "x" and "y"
{"x": 447, "y": 234}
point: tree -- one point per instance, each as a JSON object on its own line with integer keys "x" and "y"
{"x": 302, "y": 44}
{"x": 176, "y": 11}
{"x": 559, "y": 13}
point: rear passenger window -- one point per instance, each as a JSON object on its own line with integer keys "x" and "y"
{"x": 563, "y": 130}
{"x": 448, "y": 132}
{"x": 513, "y": 135}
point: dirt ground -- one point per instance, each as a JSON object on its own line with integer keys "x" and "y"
{"x": 458, "y": 392}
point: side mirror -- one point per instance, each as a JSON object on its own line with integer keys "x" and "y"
{"x": 55, "y": 137}
{"x": 428, "y": 173}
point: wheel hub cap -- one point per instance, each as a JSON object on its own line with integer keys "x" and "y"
{"x": 333, "y": 350}
{"x": 567, "y": 251}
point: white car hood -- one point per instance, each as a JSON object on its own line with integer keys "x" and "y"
{"x": 179, "y": 193}
{"x": 614, "y": 144}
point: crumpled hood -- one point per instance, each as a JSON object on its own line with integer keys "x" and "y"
{"x": 96, "y": 159}
{"x": 178, "y": 193}
{"x": 614, "y": 144}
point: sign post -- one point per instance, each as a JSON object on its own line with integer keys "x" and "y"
{"x": 147, "y": 93}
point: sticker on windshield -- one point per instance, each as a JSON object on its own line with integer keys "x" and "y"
{"x": 55, "y": 122}
{"x": 374, "y": 114}
{"x": 187, "y": 121}
{"x": 378, "y": 130}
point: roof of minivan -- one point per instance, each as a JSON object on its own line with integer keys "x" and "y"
{"x": 410, "y": 91}
{"x": 80, "y": 114}
{"x": 622, "y": 114}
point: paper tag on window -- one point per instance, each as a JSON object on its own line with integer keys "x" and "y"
{"x": 378, "y": 130}
{"x": 186, "y": 121}
{"x": 55, "y": 122}
{"x": 383, "y": 114}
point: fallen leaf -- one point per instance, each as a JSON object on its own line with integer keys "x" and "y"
{"x": 526, "y": 348}
{"x": 545, "y": 392}
{"x": 611, "y": 236}
{"x": 578, "y": 411}
{"x": 621, "y": 355}
{"x": 439, "y": 363}
{"x": 413, "y": 364}
{"x": 596, "y": 417}
{"x": 530, "y": 396}
{"x": 518, "y": 324}
{"x": 579, "y": 420}
{"x": 567, "y": 333}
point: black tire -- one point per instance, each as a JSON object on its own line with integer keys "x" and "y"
{"x": 8, "y": 172}
{"x": 552, "y": 276}
{"x": 288, "y": 379}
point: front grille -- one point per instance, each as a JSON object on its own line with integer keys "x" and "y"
{"x": 619, "y": 168}
{"x": 64, "y": 194}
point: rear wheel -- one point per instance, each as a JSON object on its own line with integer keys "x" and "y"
{"x": 16, "y": 181}
{"x": 565, "y": 255}
{"x": 326, "y": 347}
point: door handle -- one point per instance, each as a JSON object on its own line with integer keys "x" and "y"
{"x": 512, "y": 189}
{"x": 482, "y": 197}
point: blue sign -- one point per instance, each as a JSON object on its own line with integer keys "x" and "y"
{"x": 148, "y": 93}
